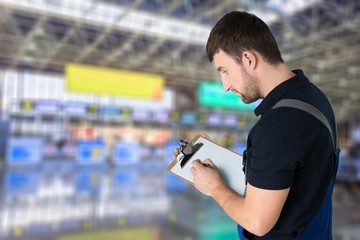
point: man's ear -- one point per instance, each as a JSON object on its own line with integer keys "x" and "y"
{"x": 249, "y": 59}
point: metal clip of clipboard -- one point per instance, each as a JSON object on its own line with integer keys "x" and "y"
{"x": 187, "y": 150}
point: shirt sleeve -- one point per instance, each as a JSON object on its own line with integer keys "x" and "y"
{"x": 274, "y": 154}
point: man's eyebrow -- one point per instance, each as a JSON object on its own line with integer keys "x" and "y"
{"x": 220, "y": 69}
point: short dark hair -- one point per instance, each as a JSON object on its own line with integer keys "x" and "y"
{"x": 239, "y": 31}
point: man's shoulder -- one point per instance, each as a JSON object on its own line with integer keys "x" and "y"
{"x": 286, "y": 122}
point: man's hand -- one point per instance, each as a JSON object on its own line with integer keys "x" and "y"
{"x": 176, "y": 150}
{"x": 204, "y": 135}
{"x": 175, "y": 153}
{"x": 207, "y": 178}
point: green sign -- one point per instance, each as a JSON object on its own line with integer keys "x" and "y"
{"x": 211, "y": 94}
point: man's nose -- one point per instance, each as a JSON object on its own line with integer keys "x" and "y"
{"x": 226, "y": 85}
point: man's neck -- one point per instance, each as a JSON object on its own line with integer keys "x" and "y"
{"x": 272, "y": 76}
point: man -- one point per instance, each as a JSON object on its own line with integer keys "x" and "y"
{"x": 290, "y": 155}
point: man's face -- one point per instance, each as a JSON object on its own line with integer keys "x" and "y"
{"x": 235, "y": 78}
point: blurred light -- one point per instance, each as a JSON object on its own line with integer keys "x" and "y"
{"x": 289, "y": 7}
{"x": 28, "y": 59}
{"x": 321, "y": 65}
{"x": 315, "y": 78}
{"x": 121, "y": 17}
{"x": 352, "y": 70}
{"x": 342, "y": 83}
{"x": 32, "y": 46}
{"x": 267, "y": 16}
{"x": 354, "y": 96}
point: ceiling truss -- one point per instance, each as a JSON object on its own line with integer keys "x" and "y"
{"x": 323, "y": 39}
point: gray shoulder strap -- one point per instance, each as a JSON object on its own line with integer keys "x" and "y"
{"x": 294, "y": 103}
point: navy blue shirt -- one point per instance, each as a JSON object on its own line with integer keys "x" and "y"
{"x": 289, "y": 148}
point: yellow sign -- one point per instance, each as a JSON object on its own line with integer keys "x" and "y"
{"x": 242, "y": 121}
{"x": 92, "y": 109}
{"x": 202, "y": 118}
{"x": 18, "y": 232}
{"x": 106, "y": 81}
{"x": 27, "y": 105}
{"x": 131, "y": 233}
{"x": 175, "y": 116}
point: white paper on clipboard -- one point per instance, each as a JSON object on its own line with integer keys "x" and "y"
{"x": 228, "y": 162}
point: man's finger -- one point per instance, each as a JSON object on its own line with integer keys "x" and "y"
{"x": 208, "y": 162}
{"x": 204, "y": 135}
{"x": 175, "y": 153}
{"x": 196, "y": 163}
{"x": 192, "y": 171}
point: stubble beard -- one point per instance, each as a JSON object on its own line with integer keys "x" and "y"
{"x": 251, "y": 92}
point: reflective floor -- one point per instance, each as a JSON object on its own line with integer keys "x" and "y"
{"x": 63, "y": 201}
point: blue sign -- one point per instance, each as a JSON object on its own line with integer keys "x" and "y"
{"x": 21, "y": 183}
{"x": 126, "y": 152}
{"x": 188, "y": 118}
{"x": 174, "y": 183}
{"x": 47, "y": 106}
{"x": 75, "y": 108}
{"x": 107, "y": 111}
{"x": 214, "y": 119}
{"x": 90, "y": 152}
{"x": 140, "y": 114}
{"x": 24, "y": 150}
{"x": 123, "y": 178}
{"x": 88, "y": 181}
{"x": 161, "y": 116}
{"x": 230, "y": 120}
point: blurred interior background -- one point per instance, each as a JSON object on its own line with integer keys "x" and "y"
{"x": 95, "y": 94}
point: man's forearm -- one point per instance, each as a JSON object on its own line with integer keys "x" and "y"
{"x": 230, "y": 201}
{"x": 258, "y": 212}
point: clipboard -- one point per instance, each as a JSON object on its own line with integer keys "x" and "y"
{"x": 228, "y": 162}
